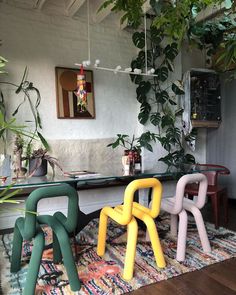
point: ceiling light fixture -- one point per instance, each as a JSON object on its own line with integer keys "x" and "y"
{"x": 118, "y": 68}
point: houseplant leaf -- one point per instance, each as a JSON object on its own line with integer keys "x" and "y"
{"x": 44, "y": 141}
{"x": 171, "y": 51}
{"x": 155, "y": 119}
{"x": 145, "y": 109}
{"x": 177, "y": 87}
{"x": 162, "y": 73}
{"x": 139, "y": 39}
{"x": 156, "y": 35}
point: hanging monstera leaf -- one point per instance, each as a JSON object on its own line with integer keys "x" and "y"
{"x": 178, "y": 87}
{"x": 162, "y": 96}
{"x": 169, "y": 65}
{"x": 135, "y": 64}
{"x": 139, "y": 39}
{"x": 171, "y": 51}
{"x": 155, "y": 118}
{"x": 156, "y": 35}
{"x": 144, "y": 87}
{"x": 142, "y": 90}
{"x": 142, "y": 58}
{"x": 166, "y": 120}
{"x": 162, "y": 73}
{"x": 145, "y": 110}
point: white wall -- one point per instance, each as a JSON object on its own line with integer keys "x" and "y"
{"x": 41, "y": 42}
{"x": 221, "y": 142}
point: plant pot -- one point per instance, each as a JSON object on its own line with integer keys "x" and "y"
{"x": 42, "y": 170}
{"x": 135, "y": 160}
{"x": 5, "y": 165}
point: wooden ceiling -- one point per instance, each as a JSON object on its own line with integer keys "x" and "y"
{"x": 69, "y": 8}
{"x": 75, "y": 8}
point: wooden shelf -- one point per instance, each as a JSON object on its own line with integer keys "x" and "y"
{"x": 205, "y": 124}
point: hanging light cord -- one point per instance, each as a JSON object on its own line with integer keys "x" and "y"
{"x": 88, "y": 30}
{"x": 145, "y": 36}
{"x": 117, "y": 69}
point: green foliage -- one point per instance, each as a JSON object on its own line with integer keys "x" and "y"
{"x": 6, "y": 198}
{"x": 132, "y": 9}
{"x": 31, "y": 95}
{"x": 173, "y": 18}
{"x": 5, "y": 195}
{"x": 3, "y": 62}
{"x": 135, "y": 143}
{"x": 158, "y": 97}
{"x": 218, "y": 38}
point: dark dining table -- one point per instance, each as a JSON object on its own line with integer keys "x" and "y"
{"x": 95, "y": 180}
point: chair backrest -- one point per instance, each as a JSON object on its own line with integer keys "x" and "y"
{"x": 50, "y": 192}
{"x": 136, "y": 185}
{"x": 212, "y": 176}
{"x": 180, "y": 188}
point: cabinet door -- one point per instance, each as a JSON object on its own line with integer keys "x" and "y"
{"x": 205, "y": 96}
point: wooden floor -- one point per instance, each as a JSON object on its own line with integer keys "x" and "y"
{"x": 217, "y": 279}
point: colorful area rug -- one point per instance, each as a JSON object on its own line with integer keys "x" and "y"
{"x": 102, "y": 276}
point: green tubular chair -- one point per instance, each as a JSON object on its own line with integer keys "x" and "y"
{"x": 28, "y": 228}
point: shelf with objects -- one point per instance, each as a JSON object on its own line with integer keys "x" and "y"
{"x": 202, "y": 98}
{"x": 205, "y": 99}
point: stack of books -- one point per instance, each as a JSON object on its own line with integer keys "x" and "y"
{"x": 81, "y": 174}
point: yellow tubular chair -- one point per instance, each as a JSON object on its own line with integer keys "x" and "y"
{"x": 124, "y": 215}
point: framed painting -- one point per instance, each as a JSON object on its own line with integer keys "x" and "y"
{"x": 69, "y": 104}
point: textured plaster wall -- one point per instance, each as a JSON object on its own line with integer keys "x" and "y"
{"x": 221, "y": 142}
{"x": 41, "y": 42}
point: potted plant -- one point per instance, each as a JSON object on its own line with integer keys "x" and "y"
{"x": 132, "y": 147}
{"x": 38, "y": 160}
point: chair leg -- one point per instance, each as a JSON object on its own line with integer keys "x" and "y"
{"x": 102, "y": 232}
{"x": 155, "y": 241}
{"x": 17, "y": 245}
{"x": 215, "y": 207}
{"x": 57, "y": 256}
{"x": 226, "y": 206}
{"x": 182, "y": 236}
{"x": 173, "y": 225}
{"x": 132, "y": 234}
{"x": 201, "y": 229}
{"x": 68, "y": 259}
{"x": 64, "y": 242}
{"x": 35, "y": 260}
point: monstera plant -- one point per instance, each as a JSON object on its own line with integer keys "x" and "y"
{"x": 158, "y": 95}
{"x": 170, "y": 23}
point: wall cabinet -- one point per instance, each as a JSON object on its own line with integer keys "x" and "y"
{"x": 205, "y": 95}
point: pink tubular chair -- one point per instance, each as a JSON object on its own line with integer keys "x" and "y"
{"x": 177, "y": 207}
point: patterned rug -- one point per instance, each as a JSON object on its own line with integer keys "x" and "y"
{"x": 102, "y": 276}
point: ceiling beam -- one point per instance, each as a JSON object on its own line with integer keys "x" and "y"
{"x": 145, "y": 8}
{"x": 98, "y": 17}
{"x": 210, "y": 12}
{"x": 38, "y": 4}
{"x": 74, "y": 6}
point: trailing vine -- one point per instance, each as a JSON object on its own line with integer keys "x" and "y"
{"x": 158, "y": 96}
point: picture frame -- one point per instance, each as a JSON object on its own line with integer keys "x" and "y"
{"x": 67, "y": 100}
